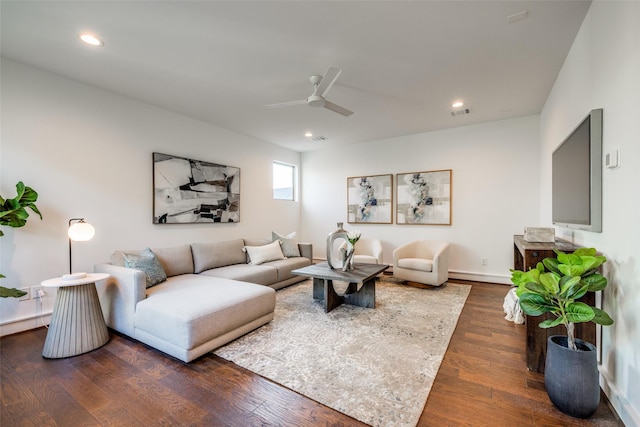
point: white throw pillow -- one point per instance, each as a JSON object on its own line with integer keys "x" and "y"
{"x": 266, "y": 253}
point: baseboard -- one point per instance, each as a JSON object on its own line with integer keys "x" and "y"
{"x": 25, "y": 323}
{"x": 480, "y": 277}
{"x": 502, "y": 279}
{"x": 617, "y": 401}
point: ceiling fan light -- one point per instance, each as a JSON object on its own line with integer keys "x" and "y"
{"x": 316, "y": 101}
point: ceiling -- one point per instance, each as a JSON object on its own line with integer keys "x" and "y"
{"x": 403, "y": 62}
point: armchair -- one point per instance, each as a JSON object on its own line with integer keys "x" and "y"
{"x": 422, "y": 261}
{"x": 368, "y": 251}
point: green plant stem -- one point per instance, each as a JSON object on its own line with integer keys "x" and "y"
{"x": 571, "y": 340}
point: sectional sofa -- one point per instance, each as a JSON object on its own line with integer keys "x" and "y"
{"x": 200, "y": 296}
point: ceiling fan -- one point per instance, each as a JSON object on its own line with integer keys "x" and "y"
{"x": 317, "y": 98}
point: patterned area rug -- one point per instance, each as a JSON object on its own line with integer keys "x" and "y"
{"x": 375, "y": 365}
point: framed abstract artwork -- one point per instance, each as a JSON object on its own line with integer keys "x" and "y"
{"x": 194, "y": 191}
{"x": 424, "y": 198}
{"x": 370, "y": 199}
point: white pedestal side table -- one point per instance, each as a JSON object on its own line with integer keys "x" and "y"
{"x": 77, "y": 324}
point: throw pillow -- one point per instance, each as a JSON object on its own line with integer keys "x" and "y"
{"x": 289, "y": 245}
{"x": 265, "y": 253}
{"x": 149, "y": 264}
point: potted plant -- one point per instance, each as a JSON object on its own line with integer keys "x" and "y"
{"x": 13, "y": 213}
{"x": 555, "y": 286}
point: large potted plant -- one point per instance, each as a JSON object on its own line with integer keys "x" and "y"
{"x": 13, "y": 213}
{"x": 555, "y": 286}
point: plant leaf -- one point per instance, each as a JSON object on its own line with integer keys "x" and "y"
{"x": 11, "y": 292}
{"x": 551, "y": 282}
{"x": 572, "y": 288}
{"x": 20, "y": 190}
{"x": 29, "y": 196}
{"x": 595, "y": 282}
{"x": 578, "y": 312}
{"x": 601, "y": 317}
{"x": 550, "y": 323}
{"x": 536, "y": 288}
{"x": 585, "y": 252}
{"x": 551, "y": 264}
{"x": 535, "y": 305}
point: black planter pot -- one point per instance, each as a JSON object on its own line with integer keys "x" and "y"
{"x": 571, "y": 376}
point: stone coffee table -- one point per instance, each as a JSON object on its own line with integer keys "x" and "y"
{"x": 323, "y": 277}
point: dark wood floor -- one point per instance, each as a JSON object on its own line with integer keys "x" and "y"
{"x": 482, "y": 381}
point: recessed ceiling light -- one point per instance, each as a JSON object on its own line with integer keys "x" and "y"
{"x": 90, "y": 39}
{"x": 308, "y": 134}
{"x": 457, "y": 104}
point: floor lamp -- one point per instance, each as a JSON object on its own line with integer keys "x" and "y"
{"x": 80, "y": 231}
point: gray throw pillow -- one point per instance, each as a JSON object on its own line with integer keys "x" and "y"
{"x": 289, "y": 245}
{"x": 149, "y": 264}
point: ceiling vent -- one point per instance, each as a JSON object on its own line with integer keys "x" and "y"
{"x": 319, "y": 138}
{"x": 461, "y": 112}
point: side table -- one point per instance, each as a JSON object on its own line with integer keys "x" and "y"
{"x": 77, "y": 324}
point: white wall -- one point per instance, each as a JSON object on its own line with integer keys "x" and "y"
{"x": 87, "y": 153}
{"x": 602, "y": 71}
{"x": 494, "y": 191}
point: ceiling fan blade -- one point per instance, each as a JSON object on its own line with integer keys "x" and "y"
{"x": 338, "y": 109}
{"x": 328, "y": 80}
{"x": 285, "y": 104}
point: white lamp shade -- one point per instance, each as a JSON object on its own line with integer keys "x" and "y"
{"x": 81, "y": 231}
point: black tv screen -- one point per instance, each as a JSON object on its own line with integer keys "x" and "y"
{"x": 577, "y": 177}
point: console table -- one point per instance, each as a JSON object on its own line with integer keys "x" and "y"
{"x": 526, "y": 255}
{"x": 77, "y": 325}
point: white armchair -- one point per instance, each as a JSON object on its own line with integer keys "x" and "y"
{"x": 368, "y": 251}
{"x": 422, "y": 261}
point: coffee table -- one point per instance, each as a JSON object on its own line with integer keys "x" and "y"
{"x": 323, "y": 277}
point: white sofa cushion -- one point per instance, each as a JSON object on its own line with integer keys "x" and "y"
{"x": 420, "y": 264}
{"x": 189, "y": 310}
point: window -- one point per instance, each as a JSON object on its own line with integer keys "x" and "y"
{"x": 284, "y": 181}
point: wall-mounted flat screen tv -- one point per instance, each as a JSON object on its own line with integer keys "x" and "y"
{"x": 577, "y": 177}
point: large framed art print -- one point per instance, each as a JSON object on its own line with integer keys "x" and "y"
{"x": 194, "y": 191}
{"x": 424, "y": 198}
{"x": 370, "y": 199}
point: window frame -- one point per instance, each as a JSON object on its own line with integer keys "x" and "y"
{"x": 294, "y": 180}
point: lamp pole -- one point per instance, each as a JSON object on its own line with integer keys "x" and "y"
{"x": 80, "y": 231}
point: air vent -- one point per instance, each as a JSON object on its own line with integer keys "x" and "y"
{"x": 319, "y": 138}
{"x": 460, "y": 112}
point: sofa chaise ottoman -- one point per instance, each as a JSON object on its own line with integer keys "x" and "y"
{"x": 212, "y": 294}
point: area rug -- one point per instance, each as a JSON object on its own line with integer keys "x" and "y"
{"x": 375, "y": 365}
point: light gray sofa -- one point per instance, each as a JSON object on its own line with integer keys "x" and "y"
{"x": 212, "y": 295}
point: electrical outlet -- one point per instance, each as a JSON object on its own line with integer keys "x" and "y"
{"x": 484, "y": 261}
{"x": 37, "y": 292}
{"x": 27, "y": 296}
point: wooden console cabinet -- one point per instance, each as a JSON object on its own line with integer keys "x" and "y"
{"x": 526, "y": 255}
